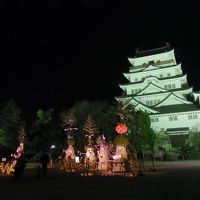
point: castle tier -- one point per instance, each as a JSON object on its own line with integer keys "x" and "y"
{"x": 158, "y": 86}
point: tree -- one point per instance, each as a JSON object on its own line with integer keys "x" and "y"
{"x": 3, "y": 140}
{"x": 104, "y": 115}
{"x": 45, "y": 131}
{"x": 21, "y": 141}
{"x": 43, "y": 116}
{"x": 144, "y": 135}
{"x": 194, "y": 140}
{"x": 129, "y": 116}
{"x": 69, "y": 123}
{"x": 69, "y": 127}
{"x": 162, "y": 141}
{"x": 90, "y": 128}
{"x": 140, "y": 135}
{"x": 10, "y": 121}
{"x": 106, "y": 118}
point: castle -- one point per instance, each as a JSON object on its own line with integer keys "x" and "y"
{"x": 157, "y": 85}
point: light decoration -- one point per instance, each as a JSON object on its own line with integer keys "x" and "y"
{"x": 68, "y": 123}
{"x": 70, "y": 160}
{"x": 90, "y": 129}
{"x": 77, "y": 160}
{"x": 7, "y": 167}
{"x": 21, "y": 139}
{"x": 115, "y": 157}
{"x": 52, "y": 146}
{"x": 103, "y": 154}
{"x": 121, "y": 128}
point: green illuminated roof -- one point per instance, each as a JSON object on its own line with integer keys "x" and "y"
{"x": 177, "y": 108}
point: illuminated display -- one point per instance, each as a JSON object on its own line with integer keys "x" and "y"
{"x": 121, "y": 128}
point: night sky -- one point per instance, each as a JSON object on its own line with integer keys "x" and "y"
{"x": 54, "y": 53}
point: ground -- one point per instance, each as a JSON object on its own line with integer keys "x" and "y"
{"x": 171, "y": 180}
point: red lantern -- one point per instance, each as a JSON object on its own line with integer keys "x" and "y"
{"x": 121, "y": 128}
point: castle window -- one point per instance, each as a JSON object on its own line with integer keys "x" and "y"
{"x": 136, "y": 79}
{"x": 158, "y": 62}
{"x": 168, "y": 74}
{"x": 173, "y": 86}
{"x": 189, "y": 116}
{"x": 195, "y": 117}
{"x": 156, "y": 102}
{"x": 155, "y": 120}
{"x": 173, "y": 118}
{"x": 192, "y": 117}
{"x": 161, "y": 75}
{"x": 151, "y": 62}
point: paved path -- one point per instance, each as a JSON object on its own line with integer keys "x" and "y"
{"x": 171, "y": 180}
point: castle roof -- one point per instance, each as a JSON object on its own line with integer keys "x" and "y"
{"x": 150, "y": 67}
{"x": 186, "y": 88}
{"x": 152, "y": 51}
{"x": 176, "y": 131}
{"x": 177, "y": 108}
{"x": 158, "y": 78}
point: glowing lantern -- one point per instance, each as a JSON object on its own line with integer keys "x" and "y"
{"x": 121, "y": 128}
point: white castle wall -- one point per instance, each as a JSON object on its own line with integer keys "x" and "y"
{"x": 162, "y": 122}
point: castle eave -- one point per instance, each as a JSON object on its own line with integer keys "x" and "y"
{"x": 177, "y": 108}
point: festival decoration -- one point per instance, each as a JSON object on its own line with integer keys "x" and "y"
{"x": 90, "y": 128}
{"x": 121, "y": 128}
{"x": 99, "y": 157}
{"x": 69, "y": 155}
{"x": 8, "y": 166}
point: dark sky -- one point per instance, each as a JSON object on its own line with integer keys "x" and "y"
{"x": 54, "y": 53}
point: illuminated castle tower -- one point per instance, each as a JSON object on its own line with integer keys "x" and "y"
{"x": 158, "y": 86}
